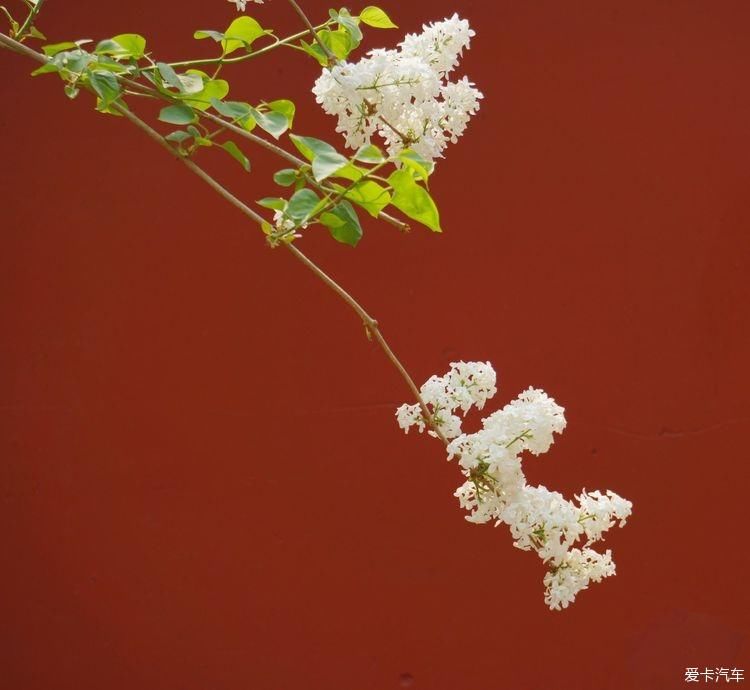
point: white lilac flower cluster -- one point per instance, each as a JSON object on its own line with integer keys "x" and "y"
{"x": 404, "y": 94}
{"x": 495, "y": 488}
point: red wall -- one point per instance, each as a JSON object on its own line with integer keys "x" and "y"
{"x": 202, "y": 485}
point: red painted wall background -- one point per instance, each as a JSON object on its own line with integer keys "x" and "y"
{"x": 202, "y": 485}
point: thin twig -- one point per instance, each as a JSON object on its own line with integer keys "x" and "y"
{"x": 241, "y": 58}
{"x": 270, "y": 146}
{"x": 331, "y": 57}
{"x": 374, "y": 329}
{"x": 30, "y": 19}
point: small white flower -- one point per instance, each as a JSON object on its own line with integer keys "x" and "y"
{"x": 574, "y": 574}
{"x": 440, "y": 44}
{"x": 600, "y": 512}
{"x": 409, "y": 416}
{"x": 242, "y": 4}
{"x": 281, "y": 222}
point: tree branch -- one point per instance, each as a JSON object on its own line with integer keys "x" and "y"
{"x": 370, "y": 323}
{"x": 21, "y": 49}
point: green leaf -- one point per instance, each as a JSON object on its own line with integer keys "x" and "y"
{"x": 55, "y": 48}
{"x": 104, "y": 62}
{"x": 35, "y": 33}
{"x": 123, "y": 46}
{"x": 212, "y": 89}
{"x": 369, "y": 154}
{"x": 286, "y": 177}
{"x": 178, "y": 135}
{"x": 413, "y": 200}
{"x": 69, "y": 61}
{"x": 207, "y": 33}
{"x": 423, "y": 168}
{"x": 45, "y": 69}
{"x": 302, "y": 205}
{"x": 310, "y": 147}
{"x": 374, "y": 16}
{"x": 272, "y": 202}
{"x": 233, "y": 150}
{"x": 343, "y": 224}
{"x": 109, "y": 109}
{"x": 326, "y": 164}
{"x": 285, "y": 107}
{"x": 133, "y": 44}
{"x": 371, "y": 196}
{"x": 349, "y": 23}
{"x": 315, "y": 50}
{"x": 339, "y": 42}
{"x": 169, "y": 76}
{"x": 179, "y": 114}
{"x": 106, "y": 86}
{"x": 274, "y": 123}
{"x": 234, "y": 110}
{"x": 191, "y": 83}
{"x": 351, "y": 172}
{"x": 107, "y": 47}
{"x": 325, "y": 159}
{"x": 241, "y": 33}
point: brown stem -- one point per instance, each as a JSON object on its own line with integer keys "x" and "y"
{"x": 374, "y": 329}
{"x": 190, "y": 165}
{"x": 21, "y": 49}
{"x": 331, "y": 57}
{"x": 406, "y": 140}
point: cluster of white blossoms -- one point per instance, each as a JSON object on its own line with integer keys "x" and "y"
{"x": 465, "y": 385}
{"x": 404, "y": 94}
{"x": 495, "y": 489}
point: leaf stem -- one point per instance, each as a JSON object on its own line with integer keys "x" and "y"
{"x": 33, "y": 12}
